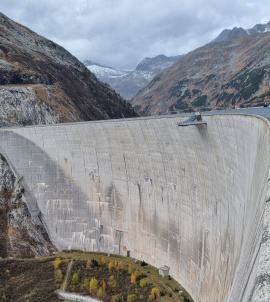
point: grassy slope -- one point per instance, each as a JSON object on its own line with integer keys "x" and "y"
{"x": 36, "y": 279}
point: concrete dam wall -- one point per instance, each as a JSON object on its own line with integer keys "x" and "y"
{"x": 192, "y": 198}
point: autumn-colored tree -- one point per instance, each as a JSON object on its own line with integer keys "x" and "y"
{"x": 101, "y": 294}
{"x": 88, "y": 263}
{"x": 101, "y": 260}
{"x": 130, "y": 269}
{"x": 132, "y": 279}
{"x": 115, "y": 298}
{"x": 75, "y": 279}
{"x": 58, "y": 275}
{"x": 56, "y": 262}
{"x": 120, "y": 265}
{"x": 86, "y": 283}
{"x": 104, "y": 285}
{"x": 93, "y": 286}
{"x": 134, "y": 276}
{"x": 110, "y": 265}
{"x": 154, "y": 294}
{"x": 157, "y": 294}
{"x": 142, "y": 282}
{"x": 131, "y": 298}
{"x": 112, "y": 281}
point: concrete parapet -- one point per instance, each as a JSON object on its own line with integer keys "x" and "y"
{"x": 191, "y": 198}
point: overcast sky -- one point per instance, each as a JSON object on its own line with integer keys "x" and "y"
{"x": 120, "y": 33}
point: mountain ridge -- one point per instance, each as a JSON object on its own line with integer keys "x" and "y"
{"x": 239, "y": 32}
{"x": 49, "y": 77}
{"x": 128, "y": 83}
{"x": 215, "y": 76}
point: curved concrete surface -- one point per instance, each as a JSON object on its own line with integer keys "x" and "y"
{"x": 192, "y": 198}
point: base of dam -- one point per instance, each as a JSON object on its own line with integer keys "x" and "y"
{"x": 194, "y": 198}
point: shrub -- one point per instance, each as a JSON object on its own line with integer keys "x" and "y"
{"x": 130, "y": 298}
{"x": 142, "y": 283}
{"x": 86, "y": 283}
{"x": 200, "y": 101}
{"x": 58, "y": 275}
{"x": 94, "y": 263}
{"x": 101, "y": 260}
{"x": 134, "y": 276}
{"x": 112, "y": 281}
{"x": 115, "y": 298}
{"x": 75, "y": 279}
{"x": 154, "y": 294}
{"x": 119, "y": 266}
{"x": 56, "y": 262}
{"x": 93, "y": 286}
{"x": 88, "y": 263}
{"x": 101, "y": 293}
{"x": 110, "y": 265}
{"x": 143, "y": 263}
{"x": 162, "y": 293}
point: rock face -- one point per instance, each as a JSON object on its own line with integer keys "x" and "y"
{"x": 128, "y": 83}
{"x": 19, "y": 236}
{"x": 41, "y": 82}
{"x": 218, "y": 75}
{"x": 20, "y": 105}
{"x": 191, "y": 198}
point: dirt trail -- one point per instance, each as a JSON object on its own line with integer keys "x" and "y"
{"x": 64, "y": 285}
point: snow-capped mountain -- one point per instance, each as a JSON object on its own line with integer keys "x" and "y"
{"x": 103, "y": 71}
{"x": 128, "y": 83}
{"x": 240, "y": 32}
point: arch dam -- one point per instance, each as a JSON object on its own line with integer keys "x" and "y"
{"x": 193, "y": 198}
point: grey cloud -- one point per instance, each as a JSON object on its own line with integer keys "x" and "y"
{"x": 121, "y": 33}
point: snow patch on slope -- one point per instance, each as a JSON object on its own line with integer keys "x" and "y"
{"x": 106, "y": 71}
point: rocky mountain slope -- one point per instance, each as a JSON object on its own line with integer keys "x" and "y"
{"x": 240, "y": 32}
{"x": 218, "y": 75}
{"x": 128, "y": 83}
{"x": 20, "y": 236}
{"x": 41, "y": 82}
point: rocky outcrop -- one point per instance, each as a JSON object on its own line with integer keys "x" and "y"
{"x": 38, "y": 73}
{"x": 19, "y": 236}
{"x": 27, "y": 105}
{"x": 216, "y": 76}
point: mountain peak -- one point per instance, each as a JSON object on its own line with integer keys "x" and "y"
{"x": 240, "y": 32}
{"x": 128, "y": 83}
{"x": 215, "y": 76}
